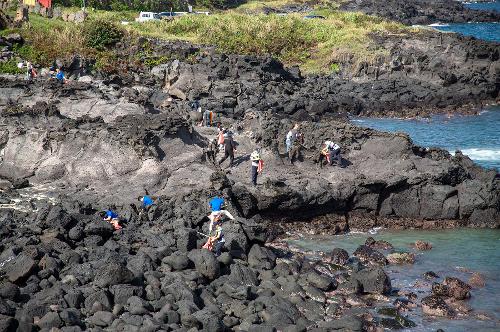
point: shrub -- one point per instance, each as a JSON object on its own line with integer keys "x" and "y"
{"x": 9, "y": 67}
{"x": 100, "y": 34}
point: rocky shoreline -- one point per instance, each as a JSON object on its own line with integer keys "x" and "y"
{"x": 418, "y": 12}
{"x": 68, "y": 151}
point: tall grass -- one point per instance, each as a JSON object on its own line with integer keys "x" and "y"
{"x": 314, "y": 44}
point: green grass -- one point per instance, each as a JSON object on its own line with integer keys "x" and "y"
{"x": 313, "y": 44}
{"x": 317, "y": 46}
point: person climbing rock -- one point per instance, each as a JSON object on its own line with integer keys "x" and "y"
{"x": 147, "y": 201}
{"x": 218, "y": 211}
{"x": 229, "y": 148}
{"x": 112, "y": 217}
{"x": 218, "y": 238}
{"x": 257, "y": 165}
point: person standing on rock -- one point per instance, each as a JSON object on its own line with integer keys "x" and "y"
{"x": 290, "y": 137}
{"x": 30, "y": 72}
{"x": 207, "y": 115}
{"x": 220, "y": 138}
{"x": 212, "y": 150}
{"x": 229, "y": 148}
{"x": 257, "y": 165}
{"x": 297, "y": 144}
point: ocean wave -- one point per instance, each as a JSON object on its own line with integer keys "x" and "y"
{"x": 482, "y": 154}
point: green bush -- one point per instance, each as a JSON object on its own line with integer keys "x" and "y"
{"x": 9, "y": 67}
{"x": 100, "y": 34}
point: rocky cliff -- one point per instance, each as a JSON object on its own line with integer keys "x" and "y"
{"x": 116, "y": 156}
{"x": 421, "y": 11}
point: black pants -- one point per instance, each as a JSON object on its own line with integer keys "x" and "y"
{"x": 230, "y": 154}
{"x": 254, "y": 175}
{"x": 335, "y": 155}
{"x": 218, "y": 248}
{"x": 294, "y": 153}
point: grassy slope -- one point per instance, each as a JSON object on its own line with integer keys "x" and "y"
{"x": 315, "y": 45}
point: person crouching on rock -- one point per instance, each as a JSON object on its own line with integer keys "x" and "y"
{"x": 112, "y": 217}
{"x": 146, "y": 201}
{"x": 331, "y": 151}
{"x": 257, "y": 165}
{"x": 229, "y": 148}
{"x": 60, "y": 76}
{"x": 218, "y": 207}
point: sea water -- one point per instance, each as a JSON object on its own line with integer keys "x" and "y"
{"x": 486, "y": 31}
{"x": 456, "y": 253}
{"x": 477, "y": 136}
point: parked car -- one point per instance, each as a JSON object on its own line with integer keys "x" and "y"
{"x": 147, "y": 16}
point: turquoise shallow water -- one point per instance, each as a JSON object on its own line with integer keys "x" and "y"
{"x": 453, "y": 251}
{"x": 476, "y": 136}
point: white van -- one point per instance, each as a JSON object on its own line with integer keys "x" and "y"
{"x": 147, "y": 16}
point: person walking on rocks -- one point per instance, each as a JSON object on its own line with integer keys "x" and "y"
{"x": 112, "y": 217}
{"x": 229, "y": 148}
{"x": 257, "y": 165}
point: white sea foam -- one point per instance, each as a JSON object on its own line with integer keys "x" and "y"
{"x": 439, "y": 25}
{"x": 482, "y": 154}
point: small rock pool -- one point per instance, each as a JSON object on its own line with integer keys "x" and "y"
{"x": 455, "y": 252}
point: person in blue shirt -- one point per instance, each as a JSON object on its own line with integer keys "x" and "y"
{"x": 218, "y": 207}
{"x": 147, "y": 201}
{"x": 112, "y": 217}
{"x": 60, "y": 76}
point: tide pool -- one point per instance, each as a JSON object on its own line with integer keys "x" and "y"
{"x": 456, "y": 252}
